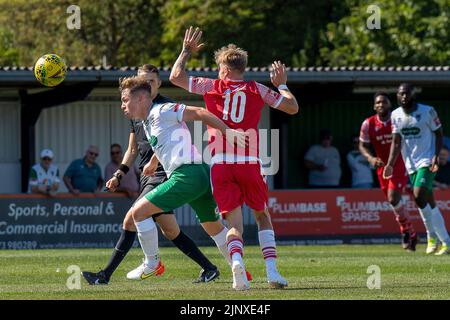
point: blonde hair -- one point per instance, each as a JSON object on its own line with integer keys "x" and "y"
{"x": 134, "y": 84}
{"x": 232, "y": 56}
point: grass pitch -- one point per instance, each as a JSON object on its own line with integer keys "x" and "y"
{"x": 313, "y": 272}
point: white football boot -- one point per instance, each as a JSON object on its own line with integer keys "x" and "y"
{"x": 275, "y": 280}
{"x": 144, "y": 271}
{"x": 240, "y": 281}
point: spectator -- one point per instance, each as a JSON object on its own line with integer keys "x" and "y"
{"x": 130, "y": 181}
{"x": 362, "y": 177}
{"x": 442, "y": 179}
{"x": 44, "y": 176}
{"x": 324, "y": 163}
{"x": 84, "y": 175}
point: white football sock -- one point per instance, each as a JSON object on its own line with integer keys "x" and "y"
{"x": 236, "y": 249}
{"x": 426, "y": 215}
{"x": 148, "y": 238}
{"x": 439, "y": 226}
{"x": 221, "y": 242}
{"x": 268, "y": 248}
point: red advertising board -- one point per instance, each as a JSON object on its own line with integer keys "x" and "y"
{"x": 343, "y": 212}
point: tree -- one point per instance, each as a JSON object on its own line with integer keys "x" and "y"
{"x": 287, "y": 30}
{"x": 412, "y": 33}
{"x": 9, "y": 55}
{"x": 128, "y": 32}
{"x": 300, "y": 33}
{"x": 124, "y": 31}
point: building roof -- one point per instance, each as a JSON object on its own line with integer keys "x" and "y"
{"x": 108, "y": 75}
{"x": 257, "y": 69}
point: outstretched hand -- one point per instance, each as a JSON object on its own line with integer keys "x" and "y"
{"x": 278, "y": 74}
{"x": 191, "y": 40}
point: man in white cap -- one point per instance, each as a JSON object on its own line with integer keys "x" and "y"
{"x": 44, "y": 176}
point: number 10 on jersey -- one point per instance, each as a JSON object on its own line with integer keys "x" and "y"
{"x": 237, "y": 107}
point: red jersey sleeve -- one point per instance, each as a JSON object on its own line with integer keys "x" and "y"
{"x": 364, "y": 132}
{"x": 200, "y": 85}
{"x": 269, "y": 96}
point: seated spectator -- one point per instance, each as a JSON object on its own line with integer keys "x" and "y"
{"x": 84, "y": 175}
{"x": 362, "y": 177}
{"x": 44, "y": 176}
{"x": 442, "y": 179}
{"x": 130, "y": 182}
{"x": 324, "y": 162}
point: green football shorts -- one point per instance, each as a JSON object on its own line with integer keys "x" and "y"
{"x": 423, "y": 178}
{"x": 188, "y": 184}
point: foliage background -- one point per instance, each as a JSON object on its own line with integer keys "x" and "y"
{"x": 300, "y": 33}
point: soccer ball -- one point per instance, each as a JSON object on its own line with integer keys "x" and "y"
{"x": 50, "y": 70}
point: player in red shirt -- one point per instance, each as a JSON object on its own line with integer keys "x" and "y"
{"x": 377, "y": 131}
{"x": 236, "y": 173}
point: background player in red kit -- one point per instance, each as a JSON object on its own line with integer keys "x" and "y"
{"x": 377, "y": 131}
{"x": 236, "y": 173}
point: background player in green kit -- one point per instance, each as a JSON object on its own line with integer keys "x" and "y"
{"x": 417, "y": 132}
{"x": 188, "y": 178}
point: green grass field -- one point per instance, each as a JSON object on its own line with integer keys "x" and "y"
{"x": 313, "y": 272}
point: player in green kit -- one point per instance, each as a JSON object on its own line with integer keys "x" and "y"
{"x": 188, "y": 177}
{"x": 417, "y": 132}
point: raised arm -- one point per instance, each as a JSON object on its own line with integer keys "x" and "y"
{"x": 278, "y": 76}
{"x": 178, "y": 75}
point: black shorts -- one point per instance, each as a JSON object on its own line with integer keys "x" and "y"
{"x": 148, "y": 184}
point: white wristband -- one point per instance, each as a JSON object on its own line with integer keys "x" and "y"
{"x": 283, "y": 87}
